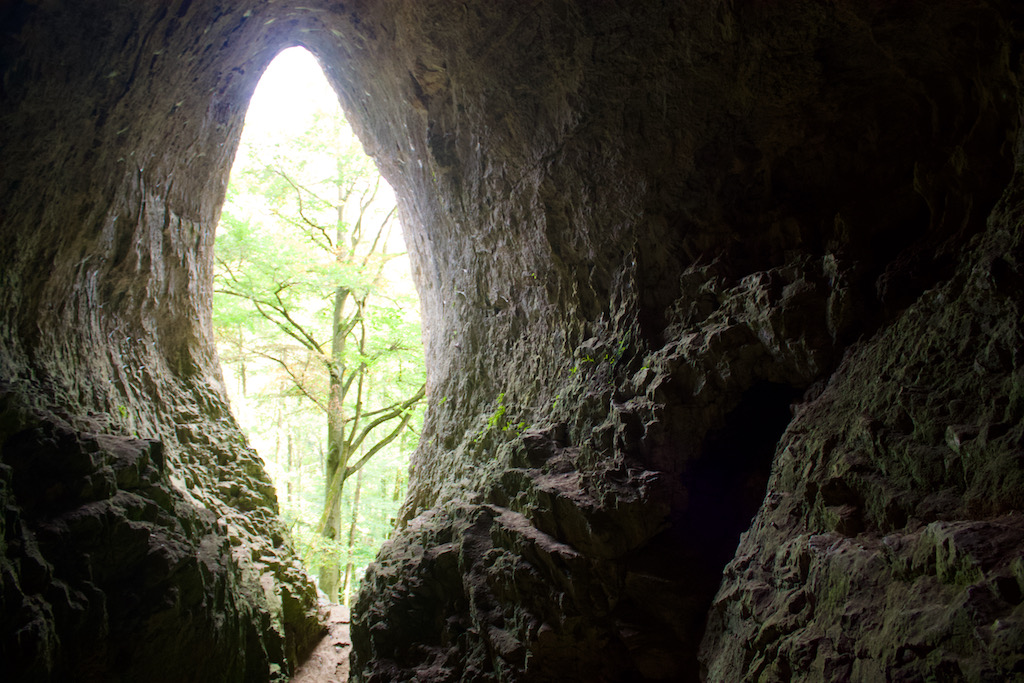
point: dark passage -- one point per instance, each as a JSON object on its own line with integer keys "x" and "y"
{"x": 727, "y": 484}
{"x": 673, "y": 580}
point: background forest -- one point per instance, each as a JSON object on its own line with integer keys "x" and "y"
{"x": 317, "y": 323}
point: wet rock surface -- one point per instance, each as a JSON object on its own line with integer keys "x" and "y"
{"x": 723, "y": 325}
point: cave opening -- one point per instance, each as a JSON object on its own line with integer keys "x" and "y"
{"x": 564, "y": 167}
{"x": 316, "y": 322}
{"x": 724, "y": 488}
{"x": 731, "y": 476}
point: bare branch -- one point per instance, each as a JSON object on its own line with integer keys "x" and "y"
{"x": 362, "y": 377}
{"x": 283, "y": 310}
{"x": 296, "y": 380}
{"x": 385, "y": 225}
{"x": 390, "y": 408}
{"x": 403, "y": 407}
{"x": 224, "y": 264}
{"x": 293, "y": 330}
{"x": 299, "y": 189}
{"x": 350, "y": 470}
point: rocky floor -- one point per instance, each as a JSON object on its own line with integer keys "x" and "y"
{"x": 329, "y": 661}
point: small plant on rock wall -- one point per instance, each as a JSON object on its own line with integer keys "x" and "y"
{"x": 498, "y": 421}
{"x": 495, "y": 420}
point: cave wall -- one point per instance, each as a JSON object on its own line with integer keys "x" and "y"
{"x": 654, "y": 238}
{"x": 681, "y": 265}
{"x": 140, "y": 534}
{"x": 657, "y": 244}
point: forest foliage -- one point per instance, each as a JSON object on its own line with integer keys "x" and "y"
{"x": 317, "y": 327}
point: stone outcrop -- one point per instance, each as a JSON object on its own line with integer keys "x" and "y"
{"x": 140, "y": 535}
{"x": 723, "y": 325}
{"x": 890, "y": 544}
{"x": 663, "y": 235}
{"x": 113, "y": 573}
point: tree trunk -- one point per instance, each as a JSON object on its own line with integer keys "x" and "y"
{"x": 297, "y": 473}
{"x": 241, "y": 363}
{"x": 290, "y": 474}
{"x": 337, "y": 455}
{"x": 352, "y": 528}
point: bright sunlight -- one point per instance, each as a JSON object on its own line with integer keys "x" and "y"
{"x": 291, "y": 92}
{"x": 316, "y": 323}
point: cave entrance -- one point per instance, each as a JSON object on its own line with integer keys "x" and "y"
{"x": 316, "y": 322}
{"x": 727, "y": 484}
{"x": 673, "y": 580}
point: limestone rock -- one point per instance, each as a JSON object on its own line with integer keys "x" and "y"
{"x": 683, "y": 265}
{"x": 890, "y": 544}
{"x": 140, "y": 531}
{"x": 649, "y": 248}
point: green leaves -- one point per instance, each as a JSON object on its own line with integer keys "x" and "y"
{"x": 321, "y": 338}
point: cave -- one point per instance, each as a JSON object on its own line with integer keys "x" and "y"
{"x": 758, "y": 262}
{"x": 727, "y": 483}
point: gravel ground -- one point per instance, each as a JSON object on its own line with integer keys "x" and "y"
{"x": 329, "y": 661}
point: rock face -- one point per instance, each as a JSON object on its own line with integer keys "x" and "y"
{"x": 891, "y": 543}
{"x": 140, "y": 537}
{"x": 671, "y": 254}
{"x": 723, "y": 308}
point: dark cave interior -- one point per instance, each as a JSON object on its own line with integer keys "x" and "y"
{"x": 639, "y": 225}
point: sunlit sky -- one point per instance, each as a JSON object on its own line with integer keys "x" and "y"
{"x": 292, "y": 88}
{"x": 291, "y": 91}
{"x": 289, "y": 94}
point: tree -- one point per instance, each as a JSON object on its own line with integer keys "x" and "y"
{"x": 302, "y": 286}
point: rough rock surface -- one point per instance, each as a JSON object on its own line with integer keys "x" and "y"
{"x": 328, "y": 663}
{"x": 140, "y": 534}
{"x": 683, "y": 265}
{"x": 891, "y": 544}
{"x": 648, "y": 236}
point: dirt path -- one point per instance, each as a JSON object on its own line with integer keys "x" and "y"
{"x": 329, "y": 661}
